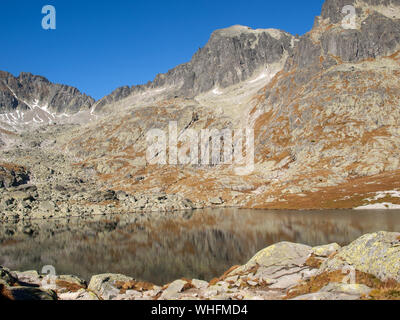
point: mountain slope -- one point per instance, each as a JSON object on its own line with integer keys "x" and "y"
{"x": 327, "y": 115}
{"x": 324, "y": 109}
{"x": 33, "y": 99}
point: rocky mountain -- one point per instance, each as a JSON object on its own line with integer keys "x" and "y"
{"x": 24, "y": 91}
{"x": 34, "y": 99}
{"x": 324, "y": 108}
{"x": 231, "y": 56}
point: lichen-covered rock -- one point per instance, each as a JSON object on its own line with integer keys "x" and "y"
{"x": 377, "y": 254}
{"x": 326, "y": 250}
{"x": 199, "y": 284}
{"x": 81, "y": 294}
{"x": 104, "y": 284}
{"x": 280, "y": 254}
{"x": 6, "y": 276}
{"x": 173, "y": 290}
{"x": 352, "y": 289}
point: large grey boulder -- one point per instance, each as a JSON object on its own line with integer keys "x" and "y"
{"x": 173, "y": 290}
{"x": 377, "y": 254}
{"x": 104, "y": 285}
{"x": 7, "y": 276}
{"x": 12, "y": 175}
{"x": 285, "y": 254}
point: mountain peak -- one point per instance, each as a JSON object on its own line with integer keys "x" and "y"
{"x": 238, "y": 30}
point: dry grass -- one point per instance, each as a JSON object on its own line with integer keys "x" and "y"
{"x": 313, "y": 262}
{"x": 382, "y": 290}
{"x": 140, "y": 286}
{"x": 71, "y": 287}
{"x": 353, "y": 193}
{"x": 5, "y": 294}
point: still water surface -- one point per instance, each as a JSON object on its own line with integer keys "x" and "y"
{"x": 202, "y": 244}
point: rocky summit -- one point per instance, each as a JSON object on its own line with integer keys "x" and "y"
{"x": 321, "y": 111}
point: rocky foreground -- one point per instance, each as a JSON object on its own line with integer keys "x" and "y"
{"x": 368, "y": 268}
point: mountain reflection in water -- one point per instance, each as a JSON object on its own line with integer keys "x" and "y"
{"x": 202, "y": 244}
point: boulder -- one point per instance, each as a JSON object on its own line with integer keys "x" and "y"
{"x": 377, "y": 254}
{"x": 26, "y": 293}
{"x": 216, "y": 201}
{"x": 82, "y": 294}
{"x": 7, "y": 277}
{"x": 326, "y": 250}
{"x": 199, "y": 284}
{"x": 352, "y": 289}
{"x": 173, "y": 290}
{"x": 104, "y": 284}
{"x": 281, "y": 254}
{"x": 12, "y": 175}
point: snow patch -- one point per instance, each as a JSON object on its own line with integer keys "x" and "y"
{"x": 260, "y": 77}
{"x": 378, "y": 206}
{"x": 217, "y": 91}
{"x": 383, "y": 194}
{"x": 384, "y": 205}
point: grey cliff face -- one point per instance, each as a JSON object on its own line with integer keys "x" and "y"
{"x": 377, "y": 36}
{"x": 20, "y": 93}
{"x": 332, "y": 9}
{"x": 232, "y": 55}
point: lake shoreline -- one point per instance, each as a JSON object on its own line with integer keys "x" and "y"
{"x": 282, "y": 271}
{"x": 200, "y": 244}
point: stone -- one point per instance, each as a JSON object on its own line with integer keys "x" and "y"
{"x": 20, "y": 195}
{"x": 29, "y": 293}
{"x": 82, "y": 294}
{"x": 281, "y": 254}
{"x": 7, "y": 277}
{"x": 104, "y": 284}
{"x": 199, "y": 284}
{"x": 351, "y": 289}
{"x": 287, "y": 281}
{"x": 216, "y": 201}
{"x": 173, "y": 290}
{"x": 377, "y": 254}
{"x": 47, "y": 206}
{"x": 326, "y": 250}
{"x": 31, "y": 277}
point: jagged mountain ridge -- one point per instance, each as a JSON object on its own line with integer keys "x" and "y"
{"x": 20, "y": 93}
{"x": 230, "y": 56}
{"x": 30, "y": 100}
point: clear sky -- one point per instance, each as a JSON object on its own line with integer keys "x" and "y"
{"x": 101, "y": 45}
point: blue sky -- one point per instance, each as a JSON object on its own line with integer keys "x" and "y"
{"x": 101, "y": 45}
